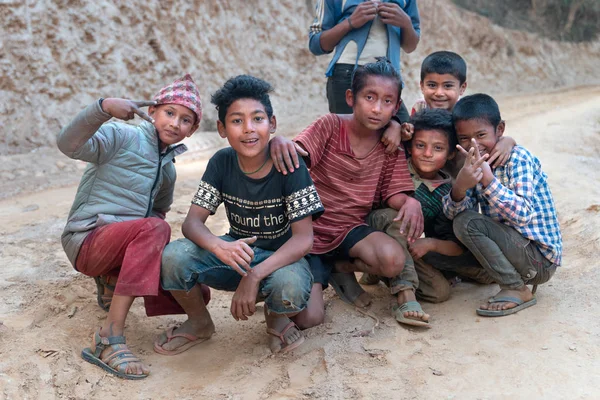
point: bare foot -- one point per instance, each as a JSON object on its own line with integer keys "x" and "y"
{"x": 282, "y": 336}
{"x": 524, "y": 294}
{"x": 201, "y": 328}
{"x": 344, "y": 266}
{"x": 405, "y": 296}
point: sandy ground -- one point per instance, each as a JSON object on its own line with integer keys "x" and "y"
{"x": 552, "y": 350}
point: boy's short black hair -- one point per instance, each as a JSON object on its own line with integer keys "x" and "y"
{"x": 382, "y": 67}
{"x": 445, "y": 62}
{"x": 477, "y": 106}
{"x": 436, "y": 119}
{"x": 242, "y": 87}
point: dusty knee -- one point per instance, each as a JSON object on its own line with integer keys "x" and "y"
{"x": 463, "y": 222}
{"x": 173, "y": 258}
{"x": 289, "y": 289}
{"x": 391, "y": 263}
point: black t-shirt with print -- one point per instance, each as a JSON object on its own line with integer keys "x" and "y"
{"x": 263, "y": 207}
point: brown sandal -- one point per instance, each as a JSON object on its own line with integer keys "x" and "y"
{"x": 285, "y": 348}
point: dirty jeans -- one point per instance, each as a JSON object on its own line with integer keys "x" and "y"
{"x": 509, "y": 258}
{"x": 285, "y": 291}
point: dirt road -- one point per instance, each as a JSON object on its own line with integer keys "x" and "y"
{"x": 549, "y": 351}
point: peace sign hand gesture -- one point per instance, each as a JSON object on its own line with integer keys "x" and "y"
{"x": 126, "y": 109}
{"x": 472, "y": 171}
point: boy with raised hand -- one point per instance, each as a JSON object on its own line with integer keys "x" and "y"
{"x": 270, "y": 217}
{"x": 116, "y": 229}
{"x": 516, "y": 238}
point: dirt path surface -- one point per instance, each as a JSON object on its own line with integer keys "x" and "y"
{"x": 48, "y": 311}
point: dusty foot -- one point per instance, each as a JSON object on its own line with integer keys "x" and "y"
{"x": 344, "y": 266}
{"x": 408, "y": 295}
{"x": 201, "y": 328}
{"x": 276, "y": 324}
{"x": 524, "y": 294}
{"x": 369, "y": 279}
{"x": 132, "y": 368}
{"x": 361, "y": 298}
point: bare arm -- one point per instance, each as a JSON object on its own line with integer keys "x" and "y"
{"x": 293, "y": 250}
{"x": 446, "y": 247}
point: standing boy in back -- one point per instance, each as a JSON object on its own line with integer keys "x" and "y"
{"x": 516, "y": 238}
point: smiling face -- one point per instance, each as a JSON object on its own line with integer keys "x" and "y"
{"x": 247, "y": 128}
{"x": 482, "y": 131}
{"x": 173, "y": 123}
{"x": 375, "y": 104}
{"x": 442, "y": 90}
{"x": 429, "y": 151}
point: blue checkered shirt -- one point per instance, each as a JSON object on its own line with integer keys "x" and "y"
{"x": 519, "y": 197}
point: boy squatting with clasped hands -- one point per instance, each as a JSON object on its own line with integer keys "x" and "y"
{"x": 116, "y": 229}
{"x": 353, "y": 174}
{"x": 516, "y": 237}
{"x": 271, "y": 229}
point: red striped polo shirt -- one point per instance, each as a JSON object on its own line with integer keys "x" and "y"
{"x": 349, "y": 186}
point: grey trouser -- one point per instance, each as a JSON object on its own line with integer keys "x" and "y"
{"x": 509, "y": 258}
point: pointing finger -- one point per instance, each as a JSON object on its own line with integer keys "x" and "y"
{"x": 143, "y": 115}
{"x": 145, "y": 103}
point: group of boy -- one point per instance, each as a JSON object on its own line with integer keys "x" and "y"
{"x": 306, "y": 213}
